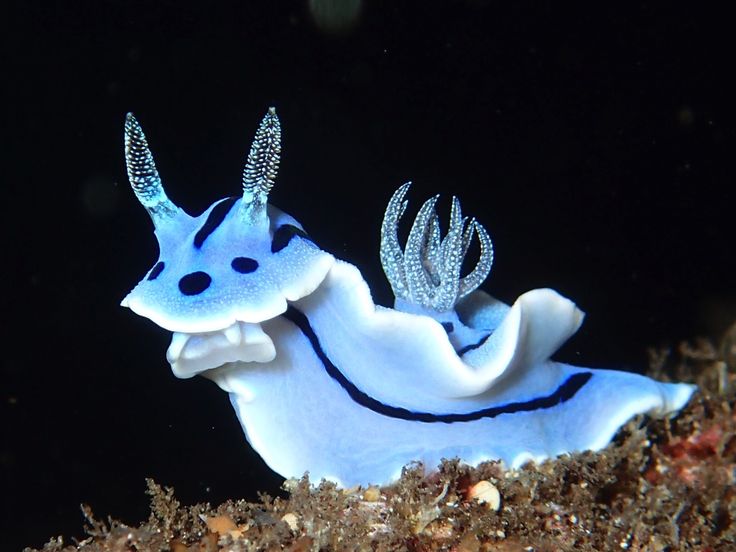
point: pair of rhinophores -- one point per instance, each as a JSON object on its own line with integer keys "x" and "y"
{"x": 324, "y": 381}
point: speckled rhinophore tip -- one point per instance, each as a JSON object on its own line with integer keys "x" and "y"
{"x": 427, "y": 272}
{"x": 142, "y": 173}
{"x": 263, "y": 163}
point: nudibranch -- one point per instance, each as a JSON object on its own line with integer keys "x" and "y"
{"x": 327, "y": 382}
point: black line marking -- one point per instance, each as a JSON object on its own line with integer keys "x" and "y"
{"x": 472, "y": 346}
{"x": 563, "y": 393}
{"x": 214, "y": 219}
{"x": 156, "y": 271}
{"x": 283, "y": 235}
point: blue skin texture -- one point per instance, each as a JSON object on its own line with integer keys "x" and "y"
{"x": 326, "y": 382}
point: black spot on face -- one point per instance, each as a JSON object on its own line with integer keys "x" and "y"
{"x": 283, "y": 234}
{"x": 157, "y": 269}
{"x": 194, "y": 283}
{"x": 449, "y": 326}
{"x": 244, "y": 265}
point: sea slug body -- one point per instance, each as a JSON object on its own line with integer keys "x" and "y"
{"x": 324, "y": 381}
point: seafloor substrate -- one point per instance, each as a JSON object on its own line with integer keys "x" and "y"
{"x": 661, "y": 485}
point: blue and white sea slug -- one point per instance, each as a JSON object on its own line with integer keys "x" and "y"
{"x": 324, "y": 381}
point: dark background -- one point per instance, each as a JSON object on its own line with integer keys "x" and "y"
{"x": 595, "y": 146}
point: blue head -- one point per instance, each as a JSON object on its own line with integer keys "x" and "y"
{"x": 238, "y": 262}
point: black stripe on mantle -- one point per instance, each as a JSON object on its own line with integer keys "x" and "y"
{"x": 214, "y": 219}
{"x": 563, "y": 393}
